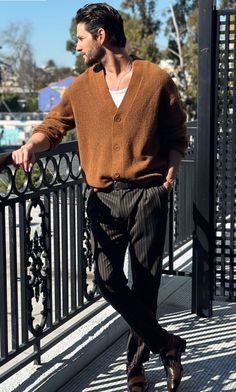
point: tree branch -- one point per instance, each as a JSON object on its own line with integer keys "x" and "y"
{"x": 180, "y": 56}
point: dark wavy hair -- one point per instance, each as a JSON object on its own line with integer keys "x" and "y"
{"x": 102, "y": 15}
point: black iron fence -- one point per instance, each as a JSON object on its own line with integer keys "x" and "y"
{"x": 224, "y": 281}
{"x": 214, "y": 274}
{"x": 46, "y": 264}
{"x": 180, "y": 222}
{"x": 46, "y": 274}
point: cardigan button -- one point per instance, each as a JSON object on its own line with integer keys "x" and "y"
{"x": 117, "y": 118}
{"x": 116, "y": 147}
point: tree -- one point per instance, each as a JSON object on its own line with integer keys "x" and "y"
{"x": 177, "y": 27}
{"x": 18, "y": 53}
{"x": 80, "y": 66}
{"x": 190, "y": 55}
{"x": 181, "y": 31}
{"x": 49, "y": 74}
{"x": 227, "y": 4}
{"x": 141, "y": 28}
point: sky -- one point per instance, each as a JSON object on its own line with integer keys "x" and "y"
{"x": 50, "y": 21}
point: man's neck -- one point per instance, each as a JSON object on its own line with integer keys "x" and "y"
{"x": 116, "y": 62}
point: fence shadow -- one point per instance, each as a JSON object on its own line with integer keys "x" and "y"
{"x": 209, "y": 361}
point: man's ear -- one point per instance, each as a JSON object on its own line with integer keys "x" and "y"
{"x": 102, "y": 36}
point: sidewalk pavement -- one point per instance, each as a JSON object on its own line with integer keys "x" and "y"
{"x": 209, "y": 362}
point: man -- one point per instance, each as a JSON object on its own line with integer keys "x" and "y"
{"x": 131, "y": 138}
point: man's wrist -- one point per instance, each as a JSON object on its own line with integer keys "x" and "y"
{"x": 29, "y": 145}
{"x": 169, "y": 182}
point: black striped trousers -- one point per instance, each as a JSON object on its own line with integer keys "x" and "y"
{"x": 135, "y": 218}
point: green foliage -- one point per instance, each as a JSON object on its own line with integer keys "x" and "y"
{"x": 144, "y": 11}
{"x": 141, "y": 28}
{"x": 11, "y": 100}
{"x": 50, "y": 74}
{"x": 227, "y": 4}
{"x": 140, "y": 42}
{"x": 71, "y": 135}
{"x": 50, "y": 64}
{"x": 182, "y": 9}
{"x": 80, "y": 66}
{"x": 31, "y": 104}
{"x": 21, "y": 178}
{"x": 3, "y": 186}
{"x": 183, "y": 50}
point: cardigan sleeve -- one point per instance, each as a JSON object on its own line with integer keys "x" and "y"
{"x": 172, "y": 119}
{"x": 58, "y": 121}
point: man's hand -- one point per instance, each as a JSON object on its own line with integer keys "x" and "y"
{"x": 24, "y": 157}
{"x": 168, "y": 185}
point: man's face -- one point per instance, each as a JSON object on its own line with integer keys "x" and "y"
{"x": 90, "y": 48}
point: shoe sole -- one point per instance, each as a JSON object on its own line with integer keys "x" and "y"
{"x": 181, "y": 349}
{"x": 145, "y": 390}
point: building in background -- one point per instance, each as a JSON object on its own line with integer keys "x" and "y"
{"x": 50, "y": 96}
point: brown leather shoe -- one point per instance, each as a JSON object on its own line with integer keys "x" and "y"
{"x": 136, "y": 379}
{"x": 171, "y": 359}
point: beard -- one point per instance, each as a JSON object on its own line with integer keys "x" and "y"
{"x": 94, "y": 56}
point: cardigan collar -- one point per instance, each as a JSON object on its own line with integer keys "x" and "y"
{"x": 101, "y": 89}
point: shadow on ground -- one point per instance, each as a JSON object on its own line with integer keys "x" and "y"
{"x": 209, "y": 361}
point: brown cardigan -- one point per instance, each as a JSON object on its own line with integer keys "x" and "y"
{"x": 130, "y": 142}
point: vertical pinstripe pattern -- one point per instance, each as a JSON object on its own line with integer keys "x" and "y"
{"x": 136, "y": 217}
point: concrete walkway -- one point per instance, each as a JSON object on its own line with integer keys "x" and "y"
{"x": 209, "y": 361}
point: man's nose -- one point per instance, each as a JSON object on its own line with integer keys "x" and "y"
{"x": 78, "y": 47}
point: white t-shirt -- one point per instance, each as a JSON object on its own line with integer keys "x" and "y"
{"x": 118, "y": 95}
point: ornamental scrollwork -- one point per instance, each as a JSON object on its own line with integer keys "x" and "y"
{"x": 38, "y": 271}
{"x": 89, "y": 289}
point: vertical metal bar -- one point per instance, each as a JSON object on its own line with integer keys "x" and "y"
{"x": 23, "y": 271}
{"x": 37, "y": 350}
{"x": 64, "y": 252}
{"x": 171, "y": 231}
{"x": 218, "y": 153}
{"x": 72, "y": 247}
{"x": 204, "y": 162}
{"x": 13, "y": 276}
{"x": 56, "y": 251}
{"x": 47, "y": 205}
{"x": 223, "y": 158}
{"x": 232, "y": 272}
{"x": 3, "y": 286}
{"x": 80, "y": 236}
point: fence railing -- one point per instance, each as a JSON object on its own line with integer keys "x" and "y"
{"x": 46, "y": 264}
{"x": 46, "y": 274}
{"x": 180, "y": 222}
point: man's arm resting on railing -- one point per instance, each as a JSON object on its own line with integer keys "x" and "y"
{"x": 25, "y": 156}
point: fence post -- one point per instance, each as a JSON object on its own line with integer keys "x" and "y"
{"x": 203, "y": 205}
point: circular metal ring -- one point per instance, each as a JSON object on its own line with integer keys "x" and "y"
{"x": 75, "y": 168}
{"x": 63, "y": 168}
{"x": 21, "y": 181}
{"x": 36, "y": 175}
{"x": 5, "y": 182}
{"x": 50, "y": 171}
